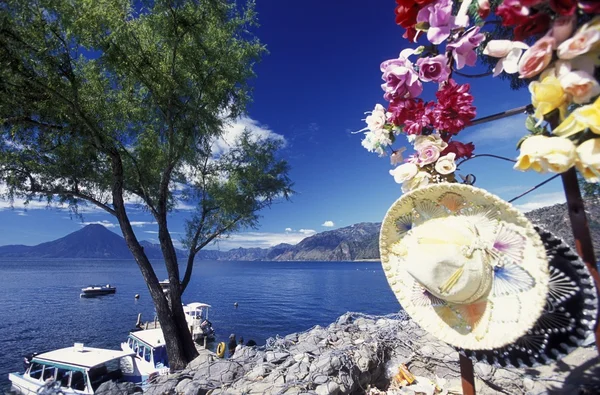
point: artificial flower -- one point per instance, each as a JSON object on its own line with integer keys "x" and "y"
{"x": 411, "y": 34}
{"x": 509, "y": 53}
{"x": 563, "y": 28}
{"x": 543, "y": 153}
{"x": 590, "y": 6}
{"x": 531, "y": 3}
{"x": 463, "y": 49}
{"x": 584, "y": 41}
{"x": 421, "y": 179}
{"x": 404, "y": 172}
{"x": 413, "y": 115}
{"x": 431, "y": 139}
{"x": 407, "y": 10}
{"x": 512, "y": 12}
{"x": 461, "y": 150}
{"x": 396, "y": 156}
{"x": 428, "y": 154}
{"x": 548, "y": 95}
{"x": 483, "y": 8}
{"x": 584, "y": 117}
{"x": 533, "y": 26}
{"x": 588, "y": 160}
{"x": 454, "y": 109}
{"x": 537, "y": 57}
{"x": 580, "y": 85}
{"x": 401, "y": 80}
{"x": 563, "y": 7}
{"x": 376, "y": 141}
{"x": 439, "y": 17}
{"x": 433, "y": 68}
{"x": 377, "y": 119}
{"x": 446, "y": 165}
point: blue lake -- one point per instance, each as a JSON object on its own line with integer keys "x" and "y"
{"x": 41, "y": 309}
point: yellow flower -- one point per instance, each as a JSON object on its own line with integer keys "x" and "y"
{"x": 588, "y": 160}
{"x": 542, "y": 154}
{"x": 547, "y": 96}
{"x": 582, "y": 118}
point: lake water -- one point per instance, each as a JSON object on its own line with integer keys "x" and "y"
{"x": 41, "y": 309}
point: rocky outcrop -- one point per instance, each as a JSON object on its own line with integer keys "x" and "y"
{"x": 360, "y": 354}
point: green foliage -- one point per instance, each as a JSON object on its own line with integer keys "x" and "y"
{"x": 101, "y": 99}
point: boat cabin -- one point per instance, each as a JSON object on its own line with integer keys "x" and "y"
{"x": 77, "y": 369}
{"x": 150, "y": 353}
{"x": 196, "y": 315}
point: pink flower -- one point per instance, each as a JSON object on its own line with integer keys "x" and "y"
{"x": 563, "y": 28}
{"x": 439, "y": 17}
{"x": 460, "y": 149}
{"x": 512, "y": 12}
{"x": 580, "y": 85}
{"x": 428, "y": 153}
{"x": 413, "y": 114}
{"x": 483, "y": 8}
{"x": 401, "y": 80}
{"x": 454, "y": 109}
{"x": 581, "y": 43}
{"x": 433, "y": 69}
{"x": 590, "y": 6}
{"x": 537, "y": 57}
{"x": 396, "y": 157}
{"x": 463, "y": 50}
{"x": 564, "y": 7}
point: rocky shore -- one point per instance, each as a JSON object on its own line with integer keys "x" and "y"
{"x": 362, "y": 354}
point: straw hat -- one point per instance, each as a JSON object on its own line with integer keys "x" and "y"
{"x": 568, "y": 318}
{"x": 466, "y": 265}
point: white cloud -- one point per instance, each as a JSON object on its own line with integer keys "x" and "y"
{"x": 234, "y": 130}
{"x": 509, "y": 129}
{"x": 154, "y": 232}
{"x": 263, "y": 239}
{"x": 105, "y": 223}
{"x": 140, "y": 224}
{"x": 288, "y": 229}
{"x": 21, "y": 213}
{"x": 328, "y": 224}
{"x": 541, "y": 200}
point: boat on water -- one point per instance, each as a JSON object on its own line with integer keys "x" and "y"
{"x": 196, "y": 315}
{"x": 73, "y": 370}
{"x": 150, "y": 354}
{"x": 97, "y": 290}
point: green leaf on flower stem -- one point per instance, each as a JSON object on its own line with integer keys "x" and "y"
{"x": 530, "y": 124}
{"x": 422, "y": 26}
{"x": 392, "y": 137}
{"x": 522, "y": 140}
{"x": 419, "y": 50}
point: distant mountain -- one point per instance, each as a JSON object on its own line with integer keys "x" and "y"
{"x": 356, "y": 242}
{"x": 92, "y": 241}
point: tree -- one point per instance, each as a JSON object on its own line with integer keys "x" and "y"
{"x": 107, "y": 103}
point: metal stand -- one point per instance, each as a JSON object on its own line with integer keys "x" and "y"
{"x": 467, "y": 377}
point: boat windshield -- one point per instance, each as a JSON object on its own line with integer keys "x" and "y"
{"x": 68, "y": 377}
{"x": 160, "y": 357}
{"x": 110, "y": 370}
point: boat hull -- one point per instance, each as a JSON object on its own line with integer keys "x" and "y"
{"x": 22, "y": 385}
{"x": 94, "y": 293}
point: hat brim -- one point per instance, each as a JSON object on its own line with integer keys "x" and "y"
{"x": 568, "y": 318}
{"x": 494, "y": 321}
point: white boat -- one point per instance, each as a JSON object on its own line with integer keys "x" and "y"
{"x": 97, "y": 290}
{"x": 196, "y": 315}
{"x": 73, "y": 370}
{"x": 150, "y": 352}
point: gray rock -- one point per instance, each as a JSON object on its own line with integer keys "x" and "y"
{"x": 276, "y": 357}
{"x": 190, "y": 387}
{"x": 164, "y": 388}
{"x": 483, "y": 370}
{"x": 326, "y": 364}
{"x": 261, "y": 370}
{"x": 219, "y": 372}
{"x": 330, "y": 388}
{"x": 114, "y": 388}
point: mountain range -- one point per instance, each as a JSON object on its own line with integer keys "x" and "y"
{"x": 357, "y": 242}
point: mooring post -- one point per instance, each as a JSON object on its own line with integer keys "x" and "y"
{"x": 467, "y": 376}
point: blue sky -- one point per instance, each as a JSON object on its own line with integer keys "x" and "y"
{"x": 321, "y": 75}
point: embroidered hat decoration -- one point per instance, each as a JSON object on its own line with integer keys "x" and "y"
{"x": 467, "y": 266}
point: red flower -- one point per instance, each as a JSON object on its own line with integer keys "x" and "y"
{"x": 413, "y": 114}
{"x": 564, "y": 7}
{"x": 460, "y": 149}
{"x": 531, "y": 3}
{"x": 454, "y": 109}
{"x": 483, "y": 8}
{"x": 512, "y": 12}
{"x": 406, "y": 11}
{"x": 537, "y": 24}
{"x": 411, "y": 34}
{"x": 590, "y": 6}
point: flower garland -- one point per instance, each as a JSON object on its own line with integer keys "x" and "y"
{"x": 564, "y": 63}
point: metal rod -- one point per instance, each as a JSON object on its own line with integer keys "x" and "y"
{"x": 467, "y": 376}
{"x": 488, "y": 156}
{"x": 581, "y": 231}
{"x": 534, "y": 188}
{"x": 504, "y": 114}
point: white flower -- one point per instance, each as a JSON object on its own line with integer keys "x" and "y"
{"x": 541, "y": 153}
{"x": 377, "y": 119}
{"x": 433, "y": 139}
{"x": 446, "y": 165}
{"x": 588, "y": 160}
{"x": 580, "y": 85}
{"x": 509, "y": 53}
{"x": 376, "y": 142}
{"x": 420, "y": 180}
{"x": 404, "y": 172}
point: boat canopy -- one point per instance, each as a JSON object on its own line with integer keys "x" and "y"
{"x": 151, "y": 337}
{"x": 81, "y": 357}
{"x": 195, "y": 306}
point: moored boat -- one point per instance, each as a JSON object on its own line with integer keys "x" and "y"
{"x": 196, "y": 315}
{"x": 150, "y": 352}
{"x": 72, "y": 370}
{"x": 97, "y": 290}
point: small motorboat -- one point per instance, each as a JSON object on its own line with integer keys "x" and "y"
{"x": 97, "y": 290}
